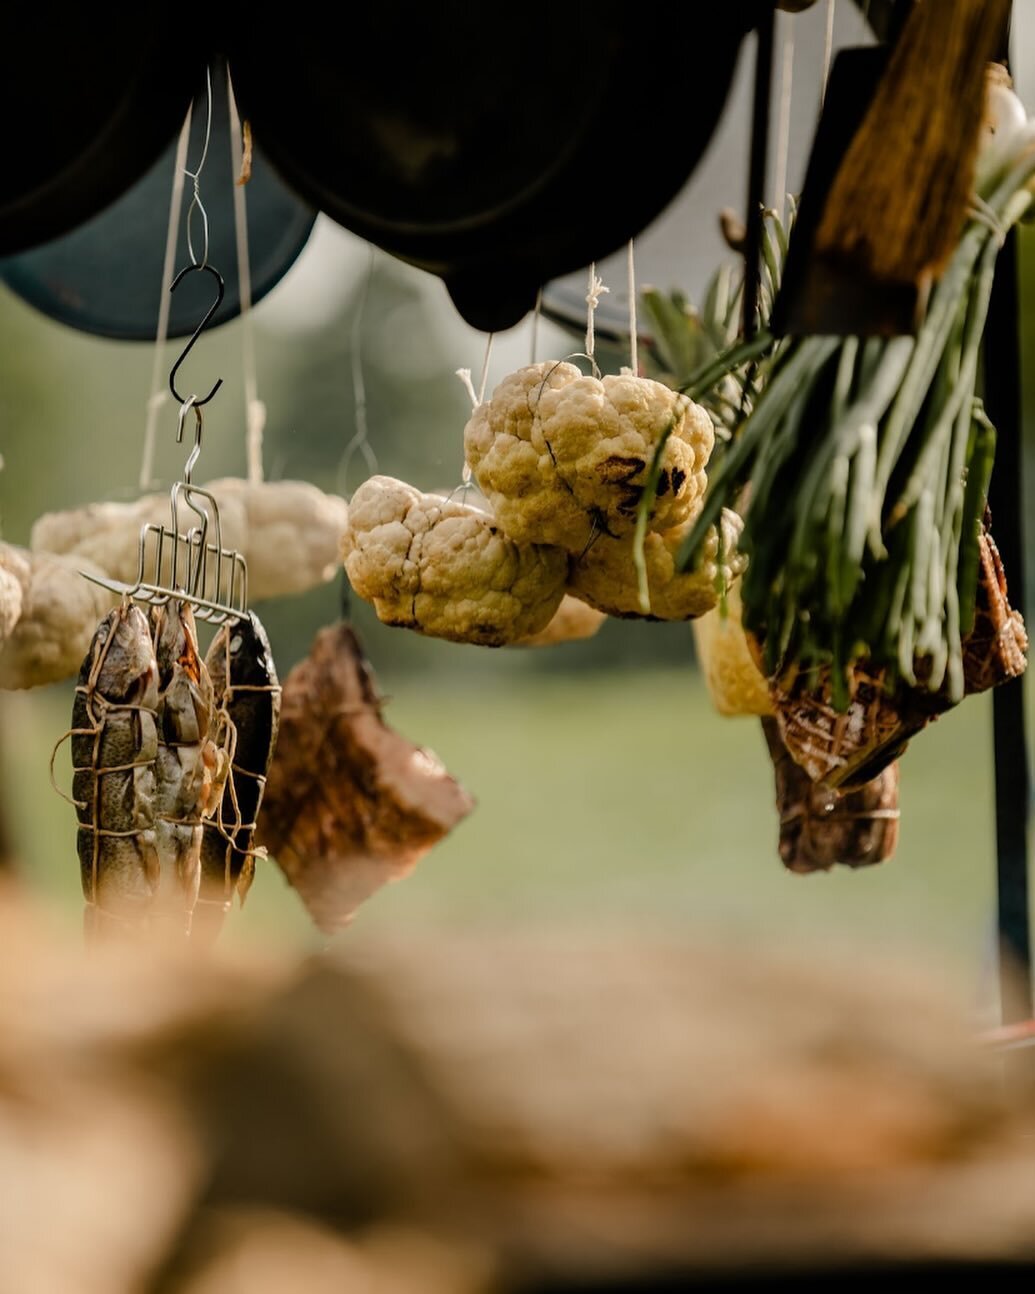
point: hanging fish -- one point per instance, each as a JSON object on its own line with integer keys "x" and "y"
{"x": 247, "y": 692}
{"x": 189, "y": 768}
{"x": 114, "y": 749}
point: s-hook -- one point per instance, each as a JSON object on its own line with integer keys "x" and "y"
{"x": 183, "y": 400}
{"x": 195, "y": 454}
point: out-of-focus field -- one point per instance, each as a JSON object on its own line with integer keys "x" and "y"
{"x": 611, "y": 797}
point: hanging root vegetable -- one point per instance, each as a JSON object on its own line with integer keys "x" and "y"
{"x": 868, "y": 463}
{"x": 247, "y": 694}
{"x": 289, "y": 533}
{"x": 563, "y": 458}
{"x": 847, "y": 748}
{"x": 821, "y": 828}
{"x": 48, "y": 614}
{"x": 445, "y": 567}
{"x": 350, "y": 804}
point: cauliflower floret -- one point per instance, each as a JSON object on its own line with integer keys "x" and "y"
{"x": 605, "y": 576}
{"x": 573, "y": 621}
{"x": 60, "y": 611}
{"x": 445, "y": 567}
{"x": 14, "y": 586}
{"x": 294, "y": 533}
{"x": 736, "y": 684}
{"x": 562, "y": 457}
{"x": 289, "y": 532}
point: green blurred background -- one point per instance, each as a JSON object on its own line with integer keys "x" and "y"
{"x": 608, "y": 790}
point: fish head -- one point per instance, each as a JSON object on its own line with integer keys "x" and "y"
{"x": 176, "y": 640}
{"x": 241, "y": 653}
{"x": 122, "y": 660}
{"x": 251, "y": 657}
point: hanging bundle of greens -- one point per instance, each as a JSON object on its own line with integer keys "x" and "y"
{"x": 700, "y": 350}
{"x": 865, "y": 464}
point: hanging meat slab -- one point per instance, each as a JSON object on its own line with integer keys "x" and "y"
{"x": 349, "y": 804}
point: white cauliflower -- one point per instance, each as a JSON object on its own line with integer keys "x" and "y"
{"x": 60, "y": 611}
{"x": 562, "y": 457}
{"x": 572, "y": 621}
{"x": 293, "y": 531}
{"x": 736, "y": 684}
{"x": 289, "y": 532}
{"x": 14, "y": 585}
{"x": 445, "y": 567}
{"x": 605, "y": 576}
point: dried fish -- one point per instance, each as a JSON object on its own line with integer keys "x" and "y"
{"x": 244, "y": 677}
{"x": 189, "y": 768}
{"x": 114, "y": 749}
{"x": 350, "y": 804}
{"x": 819, "y": 827}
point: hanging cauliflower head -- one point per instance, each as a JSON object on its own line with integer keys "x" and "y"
{"x": 573, "y": 621}
{"x": 445, "y": 568}
{"x": 58, "y": 615}
{"x": 605, "y": 575}
{"x": 562, "y": 457}
{"x": 15, "y": 575}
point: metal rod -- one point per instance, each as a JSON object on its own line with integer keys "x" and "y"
{"x": 757, "y": 170}
{"x": 1012, "y": 766}
{"x": 1002, "y": 392}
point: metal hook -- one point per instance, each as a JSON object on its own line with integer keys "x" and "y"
{"x": 191, "y": 402}
{"x": 188, "y": 269}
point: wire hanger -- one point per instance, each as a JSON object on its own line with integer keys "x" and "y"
{"x": 221, "y": 289}
{"x": 186, "y": 565}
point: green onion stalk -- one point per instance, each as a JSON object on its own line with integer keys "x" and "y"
{"x": 865, "y": 464}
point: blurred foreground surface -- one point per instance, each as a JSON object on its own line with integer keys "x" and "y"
{"x": 486, "y": 1113}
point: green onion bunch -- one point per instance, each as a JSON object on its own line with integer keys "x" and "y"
{"x": 865, "y": 465}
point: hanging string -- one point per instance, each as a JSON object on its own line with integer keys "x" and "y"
{"x": 634, "y": 358}
{"x": 254, "y": 409}
{"x": 477, "y": 397}
{"x": 828, "y": 50}
{"x": 485, "y": 367}
{"x": 783, "y": 134}
{"x": 360, "y": 443}
{"x": 196, "y": 204}
{"x": 536, "y": 316}
{"x": 595, "y": 290}
{"x": 464, "y": 374}
{"x": 159, "y": 390}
